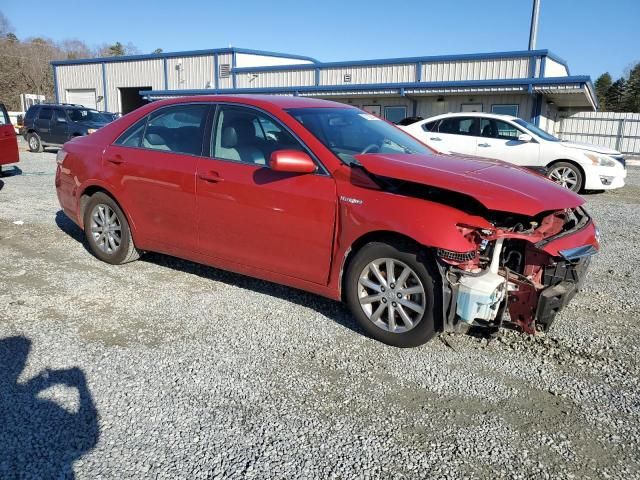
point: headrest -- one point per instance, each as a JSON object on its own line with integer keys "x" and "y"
{"x": 229, "y": 137}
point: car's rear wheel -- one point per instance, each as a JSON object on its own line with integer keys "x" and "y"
{"x": 566, "y": 175}
{"x": 390, "y": 292}
{"x": 107, "y": 231}
{"x": 34, "y": 142}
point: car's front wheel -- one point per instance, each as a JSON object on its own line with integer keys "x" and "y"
{"x": 107, "y": 231}
{"x": 34, "y": 142}
{"x": 391, "y": 293}
{"x": 567, "y": 175}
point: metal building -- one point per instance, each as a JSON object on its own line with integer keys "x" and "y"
{"x": 533, "y": 84}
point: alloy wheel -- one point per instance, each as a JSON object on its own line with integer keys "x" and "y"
{"x": 391, "y": 295}
{"x": 565, "y": 177}
{"x": 106, "y": 229}
{"x": 33, "y": 143}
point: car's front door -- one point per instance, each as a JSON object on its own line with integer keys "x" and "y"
{"x": 59, "y": 126}
{"x": 499, "y": 140}
{"x": 43, "y": 124}
{"x": 253, "y": 216}
{"x": 455, "y": 135}
{"x": 153, "y": 166}
{"x": 8, "y": 141}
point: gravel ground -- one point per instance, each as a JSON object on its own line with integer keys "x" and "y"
{"x": 166, "y": 369}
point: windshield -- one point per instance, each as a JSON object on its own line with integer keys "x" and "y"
{"x": 348, "y": 132}
{"x": 86, "y": 115}
{"x": 536, "y": 130}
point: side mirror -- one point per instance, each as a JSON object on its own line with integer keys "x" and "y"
{"x": 525, "y": 137}
{"x": 293, "y": 161}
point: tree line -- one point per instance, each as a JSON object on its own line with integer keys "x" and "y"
{"x": 26, "y": 63}
{"x": 623, "y": 95}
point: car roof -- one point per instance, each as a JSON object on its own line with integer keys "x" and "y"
{"x": 279, "y": 101}
{"x": 496, "y": 116}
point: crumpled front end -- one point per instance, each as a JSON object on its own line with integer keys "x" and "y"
{"x": 528, "y": 267}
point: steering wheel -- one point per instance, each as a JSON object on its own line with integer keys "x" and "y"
{"x": 370, "y": 147}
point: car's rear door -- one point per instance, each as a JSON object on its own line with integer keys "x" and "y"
{"x": 153, "y": 166}
{"x": 253, "y": 216}
{"x": 8, "y": 141}
{"x": 455, "y": 135}
{"x": 499, "y": 140}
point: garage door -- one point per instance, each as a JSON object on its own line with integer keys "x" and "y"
{"x": 85, "y": 97}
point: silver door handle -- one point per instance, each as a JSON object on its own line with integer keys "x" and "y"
{"x": 484, "y": 145}
{"x": 436, "y": 139}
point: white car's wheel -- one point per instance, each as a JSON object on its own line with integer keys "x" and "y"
{"x": 567, "y": 175}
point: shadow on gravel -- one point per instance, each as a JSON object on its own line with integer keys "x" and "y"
{"x": 336, "y": 311}
{"x": 38, "y": 437}
{"x": 11, "y": 172}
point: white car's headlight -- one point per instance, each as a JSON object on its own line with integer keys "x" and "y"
{"x": 601, "y": 160}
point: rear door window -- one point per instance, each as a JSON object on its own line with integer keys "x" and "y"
{"x": 459, "y": 126}
{"x": 4, "y": 117}
{"x": 45, "y": 114}
{"x": 132, "y": 137}
{"x": 430, "y": 126}
{"x": 177, "y": 129}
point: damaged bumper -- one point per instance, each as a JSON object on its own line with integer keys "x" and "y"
{"x": 530, "y": 274}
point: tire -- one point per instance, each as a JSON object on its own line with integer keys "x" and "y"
{"x": 360, "y": 278}
{"x": 34, "y": 142}
{"x": 100, "y": 210}
{"x": 567, "y": 175}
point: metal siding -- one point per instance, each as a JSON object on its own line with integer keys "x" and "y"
{"x": 554, "y": 69}
{"x": 369, "y": 74}
{"x": 253, "y": 60}
{"x": 489, "y": 69}
{"x": 282, "y": 78}
{"x": 132, "y": 74}
{"x": 222, "y": 59}
{"x": 620, "y": 131}
{"x": 76, "y": 77}
{"x": 196, "y": 73}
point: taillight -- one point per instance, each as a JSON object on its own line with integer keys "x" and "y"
{"x": 61, "y": 156}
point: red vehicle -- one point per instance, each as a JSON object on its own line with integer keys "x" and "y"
{"x": 8, "y": 140}
{"x": 327, "y": 198}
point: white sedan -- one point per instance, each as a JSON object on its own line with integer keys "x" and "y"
{"x": 573, "y": 165}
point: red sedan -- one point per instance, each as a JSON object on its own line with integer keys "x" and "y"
{"x": 8, "y": 140}
{"x": 327, "y": 198}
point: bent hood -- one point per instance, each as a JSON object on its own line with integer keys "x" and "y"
{"x": 589, "y": 147}
{"x": 496, "y": 185}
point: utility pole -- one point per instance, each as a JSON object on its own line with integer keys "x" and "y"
{"x": 533, "y": 33}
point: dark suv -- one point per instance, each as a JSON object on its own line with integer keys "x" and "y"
{"x": 55, "y": 124}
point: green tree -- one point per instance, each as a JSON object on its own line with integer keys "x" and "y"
{"x": 158, "y": 51}
{"x": 602, "y": 86}
{"x": 115, "y": 50}
{"x": 631, "y": 95}
{"x": 614, "y": 96}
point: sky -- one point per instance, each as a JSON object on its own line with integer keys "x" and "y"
{"x": 591, "y": 35}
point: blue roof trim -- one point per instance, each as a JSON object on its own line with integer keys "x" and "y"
{"x": 187, "y": 53}
{"x": 582, "y": 79}
{"x": 401, "y": 60}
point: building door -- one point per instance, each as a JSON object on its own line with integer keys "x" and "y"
{"x": 471, "y": 107}
{"x": 130, "y": 98}
{"x": 84, "y": 97}
{"x": 373, "y": 110}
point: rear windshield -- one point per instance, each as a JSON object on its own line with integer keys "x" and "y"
{"x": 348, "y": 132}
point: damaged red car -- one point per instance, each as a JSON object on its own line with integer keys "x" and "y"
{"x": 330, "y": 199}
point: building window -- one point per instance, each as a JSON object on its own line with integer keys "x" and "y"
{"x": 395, "y": 114}
{"x": 505, "y": 109}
